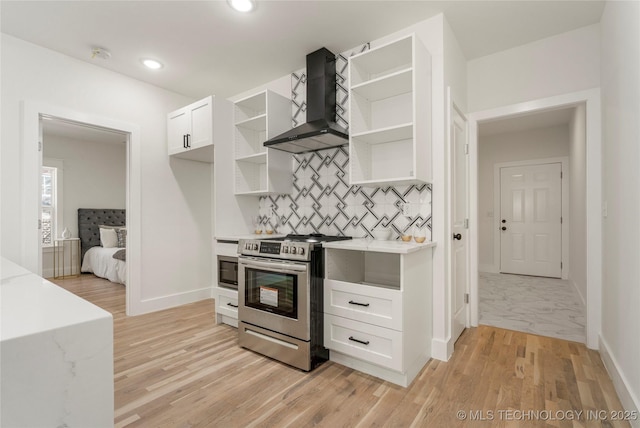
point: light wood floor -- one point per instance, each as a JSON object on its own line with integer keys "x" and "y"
{"x": 177, "y": 368}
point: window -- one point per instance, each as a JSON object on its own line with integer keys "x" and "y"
{"x": 51, "y": 199}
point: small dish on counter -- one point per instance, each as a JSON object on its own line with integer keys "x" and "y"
{"x": 381, "y": 233}
{"x": 405, "y": 238}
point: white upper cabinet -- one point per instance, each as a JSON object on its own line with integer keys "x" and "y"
{"x": 258, "y": 170}
{"x": 390, "y": 114}
{"x": 192, "y": 130}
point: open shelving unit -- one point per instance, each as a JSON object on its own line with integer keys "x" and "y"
{"x": 258, "y": 170}
{"x": 390, "y": 114}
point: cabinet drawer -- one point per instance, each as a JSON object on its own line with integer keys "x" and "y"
{"x": 227, "y": 303}
{"x": 227, "y": 248}
{"x": 377, "y": 345}
{"x": 373, "y": 305}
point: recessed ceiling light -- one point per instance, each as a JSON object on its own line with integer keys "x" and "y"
{"x": 242, "y": 5}
{"x": 152, "y": 64}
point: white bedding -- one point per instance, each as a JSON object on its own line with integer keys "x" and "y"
{"x": 100, "y": 262}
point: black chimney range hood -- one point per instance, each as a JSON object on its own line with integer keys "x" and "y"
{"x": 320, "y": 131}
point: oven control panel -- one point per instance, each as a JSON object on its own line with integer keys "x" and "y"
{"x": 275, "y": 249}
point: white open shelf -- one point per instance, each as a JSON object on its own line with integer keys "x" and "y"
{"x": 257, "y": 123}
{"x": 390, "y": 114}
{"x": 381, "y": 61}
{"x": 364, "y": 267}
{"x": 385, "y": 135}
{"x": 261, "y": 171}
{"x": 250, "y": 107}
{"x": 255, "y": 158}
{"x": 387, "y": 86}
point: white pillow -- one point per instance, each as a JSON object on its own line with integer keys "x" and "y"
{"x": 108, "y": 238}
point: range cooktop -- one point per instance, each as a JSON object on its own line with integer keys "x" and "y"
{"x": 290, "y": 247}
{"x": 312, "y": 237}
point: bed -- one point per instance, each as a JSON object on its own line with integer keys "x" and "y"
{"x": 106, "y": 261}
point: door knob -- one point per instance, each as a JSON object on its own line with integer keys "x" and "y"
{"x": 503, "y": 228}
{"x": 504, "y": 221}
{"x": 457, "y": 236}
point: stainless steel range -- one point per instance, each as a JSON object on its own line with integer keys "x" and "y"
{"x": 280, "y": 308}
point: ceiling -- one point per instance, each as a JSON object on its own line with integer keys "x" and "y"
{"x": 208, "y": 48}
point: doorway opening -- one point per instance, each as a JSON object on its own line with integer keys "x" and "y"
{"x": 31, "y": 187}
{"x": 527, "y": 212}
{"x": 95, "y": 161}
{"x": 537, "y": 125}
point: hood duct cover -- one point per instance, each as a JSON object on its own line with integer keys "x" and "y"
{"x": 320, "y": 131}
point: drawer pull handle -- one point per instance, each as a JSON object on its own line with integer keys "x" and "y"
{"x": 351, "y": 302}
{"x": 364, "y": 342}
{"x": 232, "y": 305}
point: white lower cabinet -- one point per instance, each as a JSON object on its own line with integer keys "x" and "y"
{"x": 369, "y": 342}
{"x": 378, "y": 313}
{"x": 227, "y": 306}
{"x": 373, "y": 305}
{"x": 226, "y": 298}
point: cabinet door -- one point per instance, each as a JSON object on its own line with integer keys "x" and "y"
{"x": 177, "y": 128}
{"x": 201, "y": 122}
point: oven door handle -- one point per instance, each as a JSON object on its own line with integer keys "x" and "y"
{"x": 281, "y": 267}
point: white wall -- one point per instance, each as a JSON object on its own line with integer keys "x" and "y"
{"x": 621, "y": 230}
{"x": 455, "y": 68}
{"x": 175, "y": 194}
{"x": 557, "y": 65}
{"x": 509, "y": 147}
{"x": 578, "y": 202}
{"x": 95, "y": 176}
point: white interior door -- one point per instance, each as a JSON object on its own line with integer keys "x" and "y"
{"x": 531, "y": 220}
{"x": 459, "y": 222}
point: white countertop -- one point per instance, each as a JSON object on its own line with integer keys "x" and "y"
{"x": 363, "y": 244}
{"x": 31, "y": 304}
{"x": 249, "y": 236}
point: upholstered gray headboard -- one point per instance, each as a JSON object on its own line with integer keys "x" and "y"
{"x": 89, "y": 221}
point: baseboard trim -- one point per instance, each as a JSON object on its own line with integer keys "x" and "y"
{"x": 582, "y": 299}
{"x": 441, "y": 349}
{"x": 173, "y": 300}
{"x": 488, "y": 268}
{"x": 629, "y": 401}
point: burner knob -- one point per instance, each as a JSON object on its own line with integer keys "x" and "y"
{"x": 247, "y": 246}
{"x": 293, "y": 250}
{"x": 301, "y": 251}
{"x": 285, "y": 250}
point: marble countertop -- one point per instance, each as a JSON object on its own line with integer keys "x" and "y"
{"x": 31, "y": 304}
{"x": 363, "y": 244}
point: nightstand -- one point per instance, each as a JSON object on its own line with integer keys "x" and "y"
{"x": 66, "y": 257}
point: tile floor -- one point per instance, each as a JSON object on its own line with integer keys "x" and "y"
{"x": 545, "y": 306}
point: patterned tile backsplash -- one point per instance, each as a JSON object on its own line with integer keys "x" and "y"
{"x": 322, "y": 200}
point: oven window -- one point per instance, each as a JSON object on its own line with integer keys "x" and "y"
{"x": 272, "y": 292}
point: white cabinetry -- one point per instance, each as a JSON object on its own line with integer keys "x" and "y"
{"x": 378, "y": 311}
{"x": 226, "y": 298}
{"x": 390, "y": 114}
{"x": 258, "y": 170}
{"x": 192, "y": 130}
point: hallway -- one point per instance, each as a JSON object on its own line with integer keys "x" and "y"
{"x": 544, "y": 306}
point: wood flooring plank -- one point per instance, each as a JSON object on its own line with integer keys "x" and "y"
{"x": 177, "y": 368}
